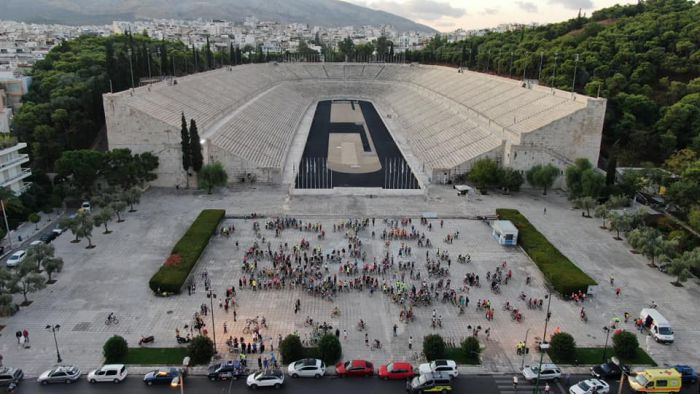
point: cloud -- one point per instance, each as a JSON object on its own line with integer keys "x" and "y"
{"x": 574, "y": 4}
{"x": 490, "y": 11}
{"x": 416, "y": 9}
{"x": 527, "y": 6}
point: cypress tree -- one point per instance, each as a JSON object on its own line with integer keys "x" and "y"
{"x": 210, "y": 62}
{"x": 195, "y": 147}
{"x": 163, "y": 57}
{"x": 231, "y": 55}
{"x": 185, "y": 147}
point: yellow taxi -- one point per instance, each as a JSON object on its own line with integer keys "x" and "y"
{"x": 656, "y": 381}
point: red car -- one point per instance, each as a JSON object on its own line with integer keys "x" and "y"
{"x": 354, "y": 368}
{"x": 396, "y": 370}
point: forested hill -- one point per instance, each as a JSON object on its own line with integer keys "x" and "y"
{"x": 645, "y": 58}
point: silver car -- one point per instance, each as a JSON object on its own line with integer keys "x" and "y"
{"x": 62, "y": 374}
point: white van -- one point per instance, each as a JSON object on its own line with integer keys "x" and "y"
{"x": 108, "y": 373}
{"x": 657, "y": 325}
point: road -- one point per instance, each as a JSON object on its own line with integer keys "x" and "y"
{"x": 498, "y": 384}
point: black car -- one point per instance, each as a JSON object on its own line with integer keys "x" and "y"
{"x": 48, "y": 237}
{"x": 608, "y": 370}
{"x": 161, "y": 376}
{"x": 225, "y": 370}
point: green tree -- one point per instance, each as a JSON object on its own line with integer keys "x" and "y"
{"x": 131, "y": 197}
{"x": 329, "y": 349}
{"x": 51, "y": 265}
{"x": 37, "y": 255}
{"x": 485, "y": 174}
{"x": 471, "y": 349}
{"x": 625, "y": 345}
{"x": 291, "y": 349}
{"x": 212, "y": 176}
{"x": 620, "y": 223}
{"x": 85, "y": 224}
{"x": 118, "y": 206}
{"x": 115, "y": 349}
{"x": 434, "y": 347}
{"x": 26, "y": 281}
{"x": 602, "y": 211}
{"x": 586, "y": 204}
{"x": 694, "y": 218}
{"x": 200, "y": 350}
{"x": 651, "y": 243}
{"x": 196, "y": 159}
{"x": 592, "y": 183}
{"x": 682, "y": 265}
{"x": 185, "y": 149}
{"x": 563, "y": 347}
{"x": 574, "y": 175}
{"x": 542, "y": 176}
{"x": 511, "y": 180}
{"x": 103, "y": 217}
{"x": 83, "y": 167}
{"x": 72, "y": 225}
{"x": 34, "y": 218}
{"x": 346, "y": 49}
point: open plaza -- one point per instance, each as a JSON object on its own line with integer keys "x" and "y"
{"x": 113, "y": 277}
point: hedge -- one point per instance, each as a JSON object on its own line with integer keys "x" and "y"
{"x": 561, "y": 273}
{"x": 170, "y": 277}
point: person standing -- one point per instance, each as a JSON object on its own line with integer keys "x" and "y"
{"x": 25, "y": 333}
{"x": 345, "y": 335}
{"x": 547, "y": 388}
{"x": 410, "y": 343}
{"x": 515, "y": 378}
{"x": 395, "y": 328}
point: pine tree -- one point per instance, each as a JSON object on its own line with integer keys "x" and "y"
{"x": 210, "y": 62}
{"x": 185, "y": 145}
{"x": 231, "y": 55}
{"x": 163, "y": 57}
{"x": 195, "y": 147}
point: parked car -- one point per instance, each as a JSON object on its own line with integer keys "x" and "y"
{"x": 62, "y": 374}
{"x": 688, "y": 374}
{"x": 267, "y": 378}
{"x": 227, "y": 370}
{"x": 308, "y": 367}
{"x": 108, "y": 373}
{"x": 10, "y": 375}
{"x": 590, "y": 386}
{"x": 36, "y": 242}
{"x": 48, "y": 237}
{"x": 161, "y": 376}
{"x": 354, "y": 368}
{"x": 609, "y": 370}
{"x": 85, "y": 206}
{"x": 447, "y": 366}
{"x": 548, "y": 372}
{"x": 433, "y": 382}
{"x": 396, "y": 370}
{"x": 16, "y": 259}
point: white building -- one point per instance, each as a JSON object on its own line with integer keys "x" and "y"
{"x": 12, "y": 175}
{"x": 5, "y": 113}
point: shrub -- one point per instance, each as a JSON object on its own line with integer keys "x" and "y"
{"x": 291, "y": 349}
{"x": 471, "y": 349}
{"x": 625, "y": 344}
{"x": 329, "y": 349}
{"x": 170, "y": 278}
{"x": 434, "y": 347}
{"x": 115, "y": 349}
{"x": 564, "y": 275}
{"x": 563, "y": 347}
{"x": 200, "y": 350}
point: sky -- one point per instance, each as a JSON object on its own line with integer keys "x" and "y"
{"x": 449, "y": 15}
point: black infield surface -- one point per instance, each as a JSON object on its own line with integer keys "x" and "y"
{"x": 312, "y": 172}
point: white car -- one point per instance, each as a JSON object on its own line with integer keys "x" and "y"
{"x": 307, "y": 368}
{"x": 115, "y": 373}
{"x": 445, "y": 366}
{"x": 85, "y": 206}
{"x": 548, "y": 372}
{"x": 16, "y": 259}
{"x": 267, "y": 378}
{"x": 590, "y": 386}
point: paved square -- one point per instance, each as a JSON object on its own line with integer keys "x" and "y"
{"x": 113, "y": 277}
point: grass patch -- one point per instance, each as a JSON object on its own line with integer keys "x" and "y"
{"x": 171, "y": 277}
{"x": 561, "y": 272}
{"x": 156, "y": 355}
{"x": 456, "y": 354}
{"x": 594, "y": 356}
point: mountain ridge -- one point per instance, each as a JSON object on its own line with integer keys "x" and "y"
{"x": 314, "y": 12}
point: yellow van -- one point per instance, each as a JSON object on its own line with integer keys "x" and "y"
{"x": 656, "y": 381}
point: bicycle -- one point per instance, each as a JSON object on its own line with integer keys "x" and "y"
{"x": 111, "y": 319}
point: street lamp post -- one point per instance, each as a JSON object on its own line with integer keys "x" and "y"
{"x": 544, "y": 339}
{"x": 131, "y": 68}
{"x": 607, "y": 335}
{"x": 53, "y": 329}
{"x": 211, "y": 296}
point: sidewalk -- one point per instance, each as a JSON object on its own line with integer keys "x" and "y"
{"x": 27, "y": 231}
